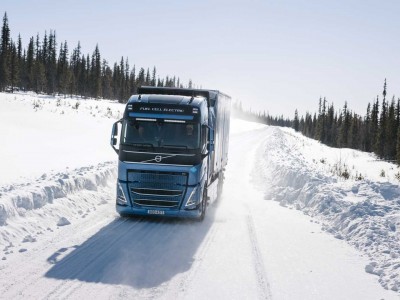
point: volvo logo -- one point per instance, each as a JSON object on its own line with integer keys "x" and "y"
{"x": 158, "y": 158}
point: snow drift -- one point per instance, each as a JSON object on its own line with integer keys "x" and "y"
{"x": 363, "y": 210}
{"x": 16, "y": 200}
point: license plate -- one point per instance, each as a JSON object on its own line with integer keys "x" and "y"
{"x": 155, "y": 212}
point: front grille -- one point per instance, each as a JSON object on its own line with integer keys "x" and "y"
{"x": 157, "y": 189}
{"x": 157, "y": 192}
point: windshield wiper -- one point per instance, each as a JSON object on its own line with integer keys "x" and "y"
{"x": 175, "y": 146}
{"x": 141, "y": 144}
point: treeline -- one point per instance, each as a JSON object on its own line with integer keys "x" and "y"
{"x": 377, "y": 131}
{"x": 43, "y": 67}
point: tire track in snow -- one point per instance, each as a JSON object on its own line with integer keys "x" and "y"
{"x": 263, "y": 285}
{"x": 199, "y": 258}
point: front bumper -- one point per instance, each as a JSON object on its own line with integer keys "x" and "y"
{"x": 134, "y": 211}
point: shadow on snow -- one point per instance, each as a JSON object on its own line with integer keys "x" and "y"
{"x": 142, "y": 253}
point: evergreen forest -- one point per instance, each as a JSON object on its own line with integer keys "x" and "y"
{"x": 45, "y": 67}
{"x": 377, "y": 131}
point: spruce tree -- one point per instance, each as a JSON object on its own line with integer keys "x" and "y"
{"x": 5, "y": 54}
{"x": 391, "y": 133}
{"x": 147, "y": 79}
{"x": 343, "y": 136}
{"x": 14, "y": 67}
{"x": 30, "y": 64}
{"x": 330, "y": 126}
{"x": 127, "y": 93}
{"x": 296, "y": 123}
{"x": 398, "y": 146}
{"x": 132, "y": 81}
{"x": 381, "y": 137}
{"x": 141, "y": 78}
{"x": 367, "y": 130}
{"x": 106, "y": 80}
{"x": 75, "y": 65}
{"x": 96, "y": 73}
{"x": 374, "y": 123}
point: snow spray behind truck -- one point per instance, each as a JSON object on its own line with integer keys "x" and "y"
{"x": 173, "y": 149}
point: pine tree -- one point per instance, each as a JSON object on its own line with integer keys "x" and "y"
{"x": 75, "y": 68}
{"x": 141, "y": 78}
{"x": 354, "y": 132}
{"x": 5, "y": 54}
{"x": 38, "y": 75}
{"x": 83, "y": 78}
{"x": 51, "y": 63}
{"x": 14, "y": 67}
{"x": 343, "y": 136}
{"x": 331, "y": 126}
{"x": 30, "y": 64}
{"x": 398, "y": 146}
{"x": 147, "y": 80}
{"x": 296, "y": 123}
{"x": 153, "y": 77}
{"x": 381, "y": 137}
{"x": 367, "y": 131}
{"x": 132, "y": 81}
{"x": 391, "y": 133}
{"x": 127, "y": 93}
{"x": 63, "y": 70}
{"x": 374, "y": 123}
{"x": 95, "y": 73}
{"x": 106, "y": 80}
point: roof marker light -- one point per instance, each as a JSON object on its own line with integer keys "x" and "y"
{"x": 143, "y": 119}
{"x": 174, "y": 121}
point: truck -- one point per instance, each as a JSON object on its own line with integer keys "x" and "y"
{"x": 172, "y": 146}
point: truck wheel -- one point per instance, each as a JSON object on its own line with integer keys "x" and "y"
{"x": 203, "y": 205}
{"x": 220, "y": 186}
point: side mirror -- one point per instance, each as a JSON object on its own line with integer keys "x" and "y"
{"x": 114, "y": 135}
{"x": 115, "y": 129}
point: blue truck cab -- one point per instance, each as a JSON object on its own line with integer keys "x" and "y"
{"x": 172, "y": 147}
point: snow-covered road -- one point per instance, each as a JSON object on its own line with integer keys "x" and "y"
{"x": 248, "y": 247}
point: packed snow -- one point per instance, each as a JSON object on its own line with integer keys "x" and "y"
{"x": 327, "y": 237}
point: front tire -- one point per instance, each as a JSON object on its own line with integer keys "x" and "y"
{"x": 203, "y": 205}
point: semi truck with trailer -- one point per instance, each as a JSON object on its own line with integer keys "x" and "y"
{"x": 172, "y": 147}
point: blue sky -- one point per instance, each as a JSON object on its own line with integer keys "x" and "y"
{"x": 271, "y": 55}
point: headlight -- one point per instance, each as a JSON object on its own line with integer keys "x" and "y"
{"x": 192, "y": 198}
{"x": 121, "y": 199}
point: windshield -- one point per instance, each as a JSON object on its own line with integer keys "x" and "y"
{"x": 161, "y": 134}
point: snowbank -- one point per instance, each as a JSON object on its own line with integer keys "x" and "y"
{"x": 16, "y": 200}
{"x": 363, "y": 210}
{"x": 54, "y": 149}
